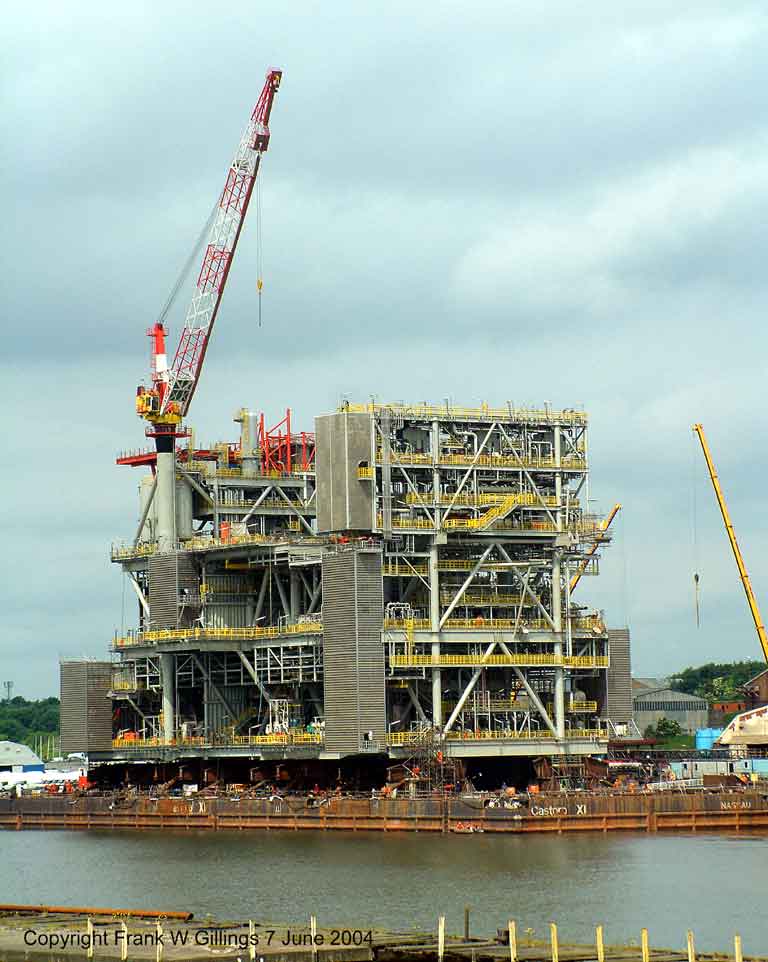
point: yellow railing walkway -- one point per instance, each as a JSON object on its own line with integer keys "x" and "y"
{"x": 216, "y": 634}
{"x": 494, "y": 624}
{"x": 287, "y": 738}
{"x": 529, "y": 660}
{"x": 403, "y": 739}
{"x": 484, "y": 413}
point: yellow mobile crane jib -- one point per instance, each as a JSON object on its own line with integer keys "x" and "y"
{"x": 751, "y": 600}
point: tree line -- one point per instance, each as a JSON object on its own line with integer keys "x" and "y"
{"x": 717, "y": 681}
{"x": 27, "y": 721}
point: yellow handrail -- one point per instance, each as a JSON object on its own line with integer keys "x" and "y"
{"x": 531, "y": 659}
{"x": 283, "y": 738}
{"x": 485, "y": 460}
{"x": 484, "y": 413}
{"x": 394, "y": 569}
{"x": 201, "y": 634}
{"x": 398, "y": 739}
{"x": 481, "y": 623}
{"x": 483, "y": 499}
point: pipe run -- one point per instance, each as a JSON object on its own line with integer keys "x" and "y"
{"x": 118, "y": 913}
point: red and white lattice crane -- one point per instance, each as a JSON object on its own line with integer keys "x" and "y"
{"x": 167, "y": 401}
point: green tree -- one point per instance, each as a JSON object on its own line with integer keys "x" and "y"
{"x": 667, "y": 728}
{"x": 716, "y": 681}
{"x": 26, "y": 721}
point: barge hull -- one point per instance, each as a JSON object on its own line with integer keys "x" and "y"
{"x": 715, "y": 812}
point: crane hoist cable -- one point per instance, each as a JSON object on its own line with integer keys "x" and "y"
{"x": 695, "y": 537}
{"x": 259, "y": 246}
{"x": 184, "y": 273}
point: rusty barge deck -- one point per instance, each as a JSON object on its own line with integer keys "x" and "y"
{"x": 745, "y": 811}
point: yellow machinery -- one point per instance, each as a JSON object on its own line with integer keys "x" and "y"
{"x": 598, "y": 541}
{"x": 751, "y": 600}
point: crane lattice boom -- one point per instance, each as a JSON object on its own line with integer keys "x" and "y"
{"x": 175, "y": 386}
{"x": 746, "y": 584}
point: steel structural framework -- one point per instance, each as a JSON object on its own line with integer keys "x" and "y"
{"x": 479, "y": 518}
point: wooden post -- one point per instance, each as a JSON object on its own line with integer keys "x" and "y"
{"x": 159, "y": 951}
{"x": 124, "y": 942}
{"x": 738, "y": 957}
{"x": 691, "y": 947}
{"x": 89, "y": 931}
{"x": 251, "y": 940}
{"x": 466, "y": 923}
{"x": 512, "y": 929}
{"x": 553, "y": 942}
{"x": 644, "y": 944}
{"x": 441, "y": 937}
{"x": 313, "y": 934}
{"x": 599, "y": 944}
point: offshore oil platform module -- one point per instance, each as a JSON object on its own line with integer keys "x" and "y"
{"x": 401, "y": 575}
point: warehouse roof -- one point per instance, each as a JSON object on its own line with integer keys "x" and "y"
{"x": 752, "y": 680}
{"x": 667, "y": 695}
{"x": 649, "y": 684}
{"x": 12, "y": 753}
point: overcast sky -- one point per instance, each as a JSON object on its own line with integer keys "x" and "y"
{"x": 538, "y": 201}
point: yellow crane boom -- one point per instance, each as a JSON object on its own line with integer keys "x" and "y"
{"x": 598, "y": 541}
{"x": 751, "y": 600}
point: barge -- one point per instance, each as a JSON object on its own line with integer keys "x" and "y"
{"x": 718, "y": 811}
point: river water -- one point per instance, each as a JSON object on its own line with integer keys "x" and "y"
{"x": 714, "y": 884}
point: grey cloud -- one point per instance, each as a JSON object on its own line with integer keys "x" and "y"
{"x": 485, "y": 201}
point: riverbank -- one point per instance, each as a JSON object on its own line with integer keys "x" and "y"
{"x": 691, "y": 811}
{"x": 45, "y": 934}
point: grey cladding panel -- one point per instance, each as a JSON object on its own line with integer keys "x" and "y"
{"x": 353, "y": 653}
{"x": 619, "y": 678}
{"x": 343, "y": 499}
{"x": 172, "y": 579}
{"x": 86, "y": 711}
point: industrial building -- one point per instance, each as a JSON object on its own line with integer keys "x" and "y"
{"x": 756, "y": 689}
{"x": 651, "y": 705}
{"x": 17, "y": 758}
{"x": 401, "y": 573}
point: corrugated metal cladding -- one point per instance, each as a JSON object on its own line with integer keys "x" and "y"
{"x": 619, "y": 679}
{"x": 353, "y": 652}
{"x": 86, "y": 712}
{"x": 229, "y": 601}
{"x": 174, "y": 590}
{"x": 343, "y": 499}
{"x": 217, "y": 714}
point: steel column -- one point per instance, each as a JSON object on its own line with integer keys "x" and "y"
{"x": 557, "y": 594}
{"x": 165, "y": 501}
{"x": 168, "y": 682}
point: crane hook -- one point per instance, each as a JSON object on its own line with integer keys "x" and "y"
{"x": 696, "y": 593}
